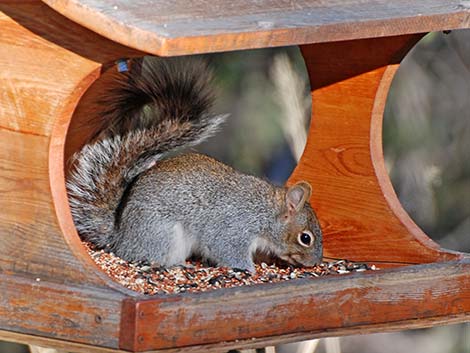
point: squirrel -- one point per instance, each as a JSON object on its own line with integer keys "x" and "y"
{"x": 132, "y": 194}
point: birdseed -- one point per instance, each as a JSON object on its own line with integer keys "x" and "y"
{"x": 148, "y": 279}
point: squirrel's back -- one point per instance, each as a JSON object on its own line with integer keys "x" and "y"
{"x": 204, "y": 198}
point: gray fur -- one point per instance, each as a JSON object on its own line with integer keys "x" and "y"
{"x": 128, "y": 194}
{"x": 221, "y": 210}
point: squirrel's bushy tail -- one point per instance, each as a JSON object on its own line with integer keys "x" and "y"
{"x": 159, "y": 106}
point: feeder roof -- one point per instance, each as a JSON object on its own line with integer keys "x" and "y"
{"x": 180, "y": 27}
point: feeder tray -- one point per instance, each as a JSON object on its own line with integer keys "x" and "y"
{"x": 53, "y": 294}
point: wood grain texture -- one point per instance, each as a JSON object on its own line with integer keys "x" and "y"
{"x": 361, "y": 216}
{"x": 319, "y": 306}
{"x": 186, "y": 27}
{"x": 43, "y": 78}
{"x": 46, "y": 64}
{"x": 240, "y": 344}
{"x": 73, "y": 313}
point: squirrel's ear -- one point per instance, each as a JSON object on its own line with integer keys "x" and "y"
{"x": 297, "y": 195}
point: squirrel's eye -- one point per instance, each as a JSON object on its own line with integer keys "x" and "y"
{"x": 305, "y": 239}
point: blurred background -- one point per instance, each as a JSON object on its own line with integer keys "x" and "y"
{"x": 426, "y": 145}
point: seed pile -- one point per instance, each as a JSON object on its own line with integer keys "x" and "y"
{"x": 194, "y": 277}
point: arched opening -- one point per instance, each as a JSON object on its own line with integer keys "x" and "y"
{"x": 266, "y": 94}
{"x": 427, "y": 137}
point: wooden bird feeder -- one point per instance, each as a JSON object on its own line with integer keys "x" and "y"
{"x": 52, "y": 293}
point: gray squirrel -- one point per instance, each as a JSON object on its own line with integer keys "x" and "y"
{"x": 132, "y": 194}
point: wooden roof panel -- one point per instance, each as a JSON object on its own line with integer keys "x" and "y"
{"x": 181, "y": 27}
